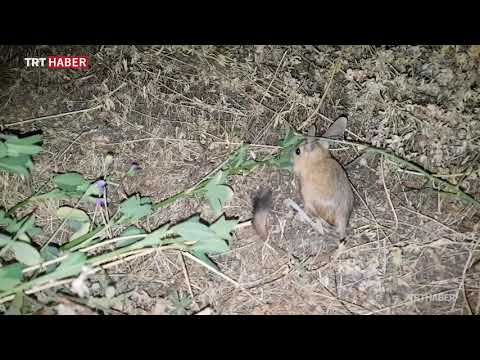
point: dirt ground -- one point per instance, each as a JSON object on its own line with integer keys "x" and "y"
{"x": 179, "y": 111}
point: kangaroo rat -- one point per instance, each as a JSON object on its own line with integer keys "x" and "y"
{"x": 323, "y": 184}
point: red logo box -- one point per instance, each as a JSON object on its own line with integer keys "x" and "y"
{"x": 68, "y": 62}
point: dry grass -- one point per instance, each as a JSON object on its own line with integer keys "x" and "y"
{"x": 180, "y": 110}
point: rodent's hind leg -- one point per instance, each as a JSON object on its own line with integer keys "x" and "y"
{"x": 341, "y": 228}
{"x": 321, "y": 223}
{"x": 303, "y": 216}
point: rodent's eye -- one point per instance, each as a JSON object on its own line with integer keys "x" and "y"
{"x": 297, "y": 151}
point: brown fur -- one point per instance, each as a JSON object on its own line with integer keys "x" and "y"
{"x": 324, "y": 186}
{"x": 262, "y": 206}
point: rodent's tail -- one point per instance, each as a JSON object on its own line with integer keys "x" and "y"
{"x": 262, "y": 205}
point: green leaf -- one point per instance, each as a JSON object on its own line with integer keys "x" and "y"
{"x": 205, "y": 239}
{"x": 213, "y": 245}
{"x": 132, "y": 230}
{"x": 67, "y": 212}
{"x": 26, "y": 253}
{"x": 30, "y": 227}
{"x": 193, "y": 230}
{"x": 92, "y": 189}
{"x": 4, "y": 218}
{"x": 27, "y": 229}
{"x": 15, "y": 153}
{"x": 218, "y": 196}
{"x": 224, "y": 228}
{"x": 10, "y": 276}
{"x": 77, "y": 220}
{"x": 238, "y": 162}
{"x": 291, "y": 139}
{"x": 23, "y": 228}
{"x": 19, "y": 165}
{"x": 238, "y": 158}
{"x": 284, "y": 159}
{"x": 8, "y": 136}
{"x": 153, "y": 239}
{"x": 71, "y": 266}
{"x": 22, "y": 149}
{"x": 180, "y": 303}
{"x": 203, "y": 257}
{"x": 71, "y": 182}
{"x": 82, "y": 229}
{"x": 29, "y": 140}
{"x": 16, "y": 305}
{"x": 136, "y": 207}
{"x": 248, "y": 165}
{"x": 13, "y": 226}
{"x": 5, "y": 240}
{"x": 3, "y": 149}
{"x": 54, "y": 194}
{"x": 50, "y": 253}
{"x": 217, "y": 193}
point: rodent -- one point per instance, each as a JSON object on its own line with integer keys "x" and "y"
{"x": 323, "y": 183}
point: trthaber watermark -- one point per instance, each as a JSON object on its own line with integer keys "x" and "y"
{"x": 444, "y": 297}
{"x": 58, "y": 62}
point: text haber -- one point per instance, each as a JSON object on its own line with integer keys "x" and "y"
{"x": 73, "y": 62}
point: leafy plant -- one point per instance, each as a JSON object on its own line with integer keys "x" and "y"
{"x": 50, "y": 253}
{"x": 127, "y": 234}
{"x": 77, "y": 220}
{"x": 238, "y": 162}
{"x": 24, "y": 253}
{"x": 283, "y": 160}
{"x": 15, "y": 153}
{"x": 10, "y": 276}
{"x": 71, "y": 266}
{"x": 16, "y": 307}
{"x": 17, "y": 237}
{"x": 135, "y": 208}
{"x": 192, "y": 235}
{"x": 68, "y": 186}
{"x": 218, "y": 192}
{"x": 180, "y": 304}
{"x": 24, "y": 229}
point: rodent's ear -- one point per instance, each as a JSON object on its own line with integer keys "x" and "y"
{"x": 337, "y": 129}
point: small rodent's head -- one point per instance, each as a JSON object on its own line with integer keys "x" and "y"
{"x": 314, "y": 149}
{"x": 308, "y": 154}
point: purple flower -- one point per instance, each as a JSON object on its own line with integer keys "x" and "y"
{"x": 100, "y": 202}
{"x": 135, "y": 166}
{"x": 134, "y": 169}
{"x": 101, "y": 184}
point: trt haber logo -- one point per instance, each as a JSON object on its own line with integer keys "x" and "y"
{"x": 59, "y": 62}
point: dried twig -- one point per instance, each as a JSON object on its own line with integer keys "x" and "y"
{"x": 325, "y": 91}
{"x": 387, "y": 193}
{"x": 23, "y": 122}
